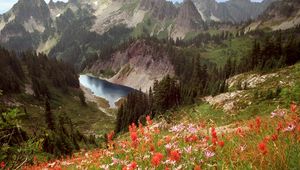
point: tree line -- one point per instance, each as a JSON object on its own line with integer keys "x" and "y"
{"x": 37, "y": 70}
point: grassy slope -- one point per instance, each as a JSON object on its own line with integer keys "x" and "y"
{"x": 235, "y": 49}
{"x": 86, "y": 118}
{"x": 248, "y": 127}
{"x": 252, "y": 140}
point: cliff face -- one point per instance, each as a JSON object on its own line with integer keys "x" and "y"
{"x": 138, "y": 66}
{"x": 188, "y": 19}
{"x": 230, "y": 11}
{"x": 159, "y": 9}
{"x": 280, "y": 15}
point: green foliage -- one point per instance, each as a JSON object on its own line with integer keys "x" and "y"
{"x": 135, "y": 106}
{"x": 11, "y": 73}
{"x": 291, "y": 94}
{"x": 16, "y": 146}
{"x": 44, "y": 71}
{"x": 275, "y": 52}
{"x": 166, "y": 94}
{"x": 76, "y": 44}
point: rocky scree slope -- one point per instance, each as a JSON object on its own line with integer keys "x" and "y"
{"x": 138, "y": 66}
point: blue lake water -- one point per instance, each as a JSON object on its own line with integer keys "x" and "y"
{"x": 102, "y": 88}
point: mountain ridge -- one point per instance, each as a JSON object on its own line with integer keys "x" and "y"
{"x": 42, "y": 24}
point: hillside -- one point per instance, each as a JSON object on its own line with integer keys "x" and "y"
{"x": 203, "y": 136}
{"x": 279, "y": 15}
{"x": 138, "y": 66}
{"x": 43, "y": 110}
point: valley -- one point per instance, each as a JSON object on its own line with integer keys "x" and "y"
{"x": 150, "y": 84}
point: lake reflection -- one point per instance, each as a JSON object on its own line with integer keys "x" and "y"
{"x": 101, "y": 88}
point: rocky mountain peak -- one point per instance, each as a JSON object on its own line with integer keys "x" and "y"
{"x": 25, "y": 10}
{"x": 207, "y": 8}
{"x": 189, "y": 17}
{"x": 159, "y": 9}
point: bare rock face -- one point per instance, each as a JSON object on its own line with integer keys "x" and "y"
{"x": 232, "y": 10}
{"x": 225, "y": 101}
{"x": 25, "y": 10}
{"x": 159, "y": 9}
{"x": 23, "y": 23}
{"x": 138, "y": 66}
{"x": 188, "y": 16}
{"x": 285, "y": 12}
{"x": 208, "y": 9}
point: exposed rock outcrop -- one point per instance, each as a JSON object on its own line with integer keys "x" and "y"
{"x": 138, "y": 66}
{"x": 232, "y": 10}
{"x": 188, "y": 19}
{"x": 159, "y": 9}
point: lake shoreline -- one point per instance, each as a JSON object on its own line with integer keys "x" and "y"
{"x": 108, "y": 80}
{"x": 102, "y": 104}
{"x": 108, "y": 94}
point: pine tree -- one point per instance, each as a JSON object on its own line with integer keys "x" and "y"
{"x": 49, "y": 116}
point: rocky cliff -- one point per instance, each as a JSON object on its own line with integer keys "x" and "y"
{"x": 188, "y": 19}
{"x": 280, "y": 15}
{"x": 138, "y": 66}
{"x": 231, "y": 11}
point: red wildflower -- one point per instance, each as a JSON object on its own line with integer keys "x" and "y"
{"x": 274, "y": 137}
{"x": 197, "y": 167}
{"x": 110, "y": 136}
{"x": 156, "y": 130}
{"x": 132, "y": 128}
{"x": 293, "y": 107}
{"x": 191, "y": 138}
{"x": 2, "y": 165}
{"x": 263, "y": 148}
{"x": 214, "y": 140}
{"x": 152, "y": 148}
{"x": 221, "y": 143}
{"x": 168, "y": 139}
{"x": 156, "y": 159}
{"x": 251, "y": 126}
{"x": 141, "y": 129}
{"x": 267, "y": 139}
{"x": 175, "y": 155}
{"x": 213, "y": 131}
{"x": 214, "y": 134}
{"x": 258, "y": 122}
{"x": 133, "y": 165}
{"x": 160, "y": 142}
{"x": 133, "y": 136}
{"x": 240, "y": 132}
{"x": 279, "y": 126}
{"x": 149, "y": 121}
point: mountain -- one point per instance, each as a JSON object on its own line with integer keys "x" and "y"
{"x": 159, "y": 9}
{"x": 188, "y": 19}
{"x": 76, "y": 30}
{"x": 25, "y": 22}
{"x": 137, "y": 66}
{"x": 231, "y": 11}
{"x": 280, "y": 15}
